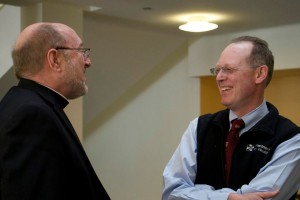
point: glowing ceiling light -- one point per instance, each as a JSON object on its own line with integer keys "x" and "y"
{"x": 198, "y": 24}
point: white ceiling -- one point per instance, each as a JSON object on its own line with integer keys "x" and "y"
{"x": 230, "y": 15}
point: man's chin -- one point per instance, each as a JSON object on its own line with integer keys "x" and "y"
{"x": 226, "y": 104}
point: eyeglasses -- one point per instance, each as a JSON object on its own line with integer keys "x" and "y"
{"x": 85, "y": 51}
{"x": 227, "y": 70}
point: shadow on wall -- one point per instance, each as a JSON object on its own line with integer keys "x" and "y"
{"x": 137, "y": 88}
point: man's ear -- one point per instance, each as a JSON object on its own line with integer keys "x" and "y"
{"x": 53, "y": 60}
{"x": 261, "y": 74}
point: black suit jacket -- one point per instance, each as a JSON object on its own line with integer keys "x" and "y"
{"x": 41, "y": 157}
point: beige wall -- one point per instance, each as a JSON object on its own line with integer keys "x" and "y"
{"x": 130, "y": 150}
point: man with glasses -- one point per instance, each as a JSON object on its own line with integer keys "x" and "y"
{"x": 259, "y": 158}
{"x": 41, "y": 157}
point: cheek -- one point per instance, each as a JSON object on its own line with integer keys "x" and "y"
{"x": 80, "y": 66}
{"x": 80, "y": 73}
{"x": 245, "y": 86}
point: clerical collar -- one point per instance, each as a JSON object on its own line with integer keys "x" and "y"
{"x": 53, "y": 91}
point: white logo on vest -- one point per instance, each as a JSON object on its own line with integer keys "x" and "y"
{"x": 258, "y": 147}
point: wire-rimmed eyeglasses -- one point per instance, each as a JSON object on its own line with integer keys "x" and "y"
{"x": 85, "y": 51}
{"x": 228, "y": 70}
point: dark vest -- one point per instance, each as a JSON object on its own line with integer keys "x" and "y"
{"x": 255, "y": 147}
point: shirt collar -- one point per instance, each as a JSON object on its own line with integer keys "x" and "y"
{"x": 47, "y": 93}
{"x": 54, "y": 91}
{"x": 252, "y": 117}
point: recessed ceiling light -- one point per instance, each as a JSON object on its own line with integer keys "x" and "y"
{"x": 198, "y": 24}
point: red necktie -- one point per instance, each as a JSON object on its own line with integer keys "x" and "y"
{"x": 231, "y": 142}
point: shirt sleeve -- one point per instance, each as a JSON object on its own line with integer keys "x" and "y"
{"x": 180, "y": 173}
{"x": 281, "y": 173}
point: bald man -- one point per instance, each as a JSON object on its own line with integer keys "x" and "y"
{"x": 41, "y": 157}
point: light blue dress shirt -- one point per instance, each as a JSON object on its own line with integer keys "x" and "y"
{"x": 282, "y": 172}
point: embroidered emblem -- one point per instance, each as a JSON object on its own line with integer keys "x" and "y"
{"x": 258, "y": 147}
{"x": 249, "y": 147}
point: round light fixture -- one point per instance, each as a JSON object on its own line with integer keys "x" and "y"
{"x": 198, "y": 24}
